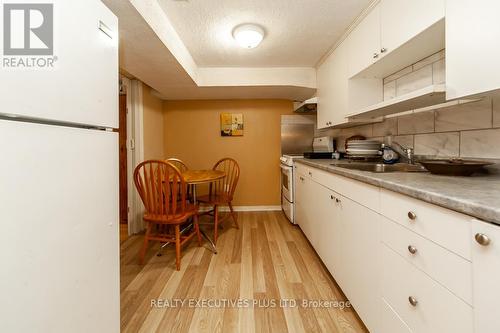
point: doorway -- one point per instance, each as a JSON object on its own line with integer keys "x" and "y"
{"x": 122, "y": 139}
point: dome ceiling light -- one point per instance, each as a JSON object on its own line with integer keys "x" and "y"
{"x": 248, "y": 36}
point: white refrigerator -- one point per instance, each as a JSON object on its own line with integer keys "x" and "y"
{"x": 59, "y": 206}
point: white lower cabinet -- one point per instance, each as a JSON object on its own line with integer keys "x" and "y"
{"x": 304, "y": 205}
{"x": 390, "y": 320}
{"x": 486, "y": 276}
{"x": 439, "y": 263}
{"x": 405, "y": 265}
{"x": 317, "y": 216}
{"x": 359, "y": 247}
{"x": 422, "y": 303}
{"x": 328, "y": 226}
{"x": 344, "y": 234}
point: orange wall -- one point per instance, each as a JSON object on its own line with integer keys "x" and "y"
{"x": 153, "y": 125}
{"x": 192, "y": 133}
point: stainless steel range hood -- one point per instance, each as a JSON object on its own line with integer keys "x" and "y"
{"x": 308, "y": 106}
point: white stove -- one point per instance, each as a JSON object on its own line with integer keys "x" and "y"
{"x": 288, "y": 185}
{"x": 288, "y": 159}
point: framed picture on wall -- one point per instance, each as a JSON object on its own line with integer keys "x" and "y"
{"x": 231, "y": 124}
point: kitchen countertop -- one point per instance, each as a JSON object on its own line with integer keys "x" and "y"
{"x": 477, "y": 196}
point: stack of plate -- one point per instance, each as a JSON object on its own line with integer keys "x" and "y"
{"x": 363, "y": 148}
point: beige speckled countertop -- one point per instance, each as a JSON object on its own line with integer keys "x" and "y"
{"x": 477, "y": 196}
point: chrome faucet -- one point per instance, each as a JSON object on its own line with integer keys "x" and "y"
{"x": 404, "y": 152}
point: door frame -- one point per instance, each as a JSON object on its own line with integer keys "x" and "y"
{"x": 135, "y": 150}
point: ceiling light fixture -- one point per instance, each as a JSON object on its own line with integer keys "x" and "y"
{"x": 248, "y": 35}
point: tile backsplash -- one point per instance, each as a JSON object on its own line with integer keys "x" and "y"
{"x": 466, "y": 130}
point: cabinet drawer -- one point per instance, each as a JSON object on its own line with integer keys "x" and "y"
{"x": 447, "y": 268}
{"x": 390, "y": 321}
{"x": 443, "y": 226}
{"x": 303, "y": 170}
{"x": 364, "y": 194}
{"x": 436, "y": 309}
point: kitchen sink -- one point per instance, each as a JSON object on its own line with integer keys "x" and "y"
{"x": 381, "y": 168}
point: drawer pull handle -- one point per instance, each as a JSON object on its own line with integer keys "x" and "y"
{"x": 412, "y": 216}
{"x": 302, "y": 178}
{"x": 412, "y": 249}
{"x": 337, "y": 200}
{"x": 413, "y": 301}
{"x": 482, "y": 239}
{"x": 310, "y": 173}
{"x": 332, "y": 197}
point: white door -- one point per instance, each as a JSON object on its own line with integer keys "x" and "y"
{"x": 83, "y": 85}
{"x": 364, "y": 43}
{"x": 472, "y": 51}
{"x": 401, "y": 20}
{"x": 306, "y": 208}
{"x": 325, "y": 92}
{"x": 360, "y": 243}
{"x": 59, "y": 239}
{"x": 332, "y": 88}
{"x": 327, "y": 217}
{"x": 486, "y": 276}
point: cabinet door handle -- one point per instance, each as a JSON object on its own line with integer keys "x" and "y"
{"x": 375, "y": 55}
{"x": 413, "y": 301}
{"x": 332, "y": 197}
{"x": 383, "y": 50}
{"x": 412, "y": 249}
{"x": 337, "y": 200}
{"x": 412, "y": 216}
{"x": 482, "y": 239}
{"x": 310, "y": 173}
{"x": 301, "y": 178}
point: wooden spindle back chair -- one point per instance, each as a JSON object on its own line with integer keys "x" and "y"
{"x": 179, "y": 164}
{"x": 226, "y": 185}
{"x": 222, "y": 191}
{"x": 163, "y": 191}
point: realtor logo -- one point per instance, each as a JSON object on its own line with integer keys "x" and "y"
{"x": 28, "y": 29}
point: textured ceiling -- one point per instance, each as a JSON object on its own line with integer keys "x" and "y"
{"x": 298, "y": 32}
{"x": 143, "y": 55}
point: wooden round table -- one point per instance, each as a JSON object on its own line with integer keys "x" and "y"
{"x": 196, "y": 177}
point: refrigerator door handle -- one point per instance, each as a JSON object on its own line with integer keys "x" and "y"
{"x": 105, "y": 29}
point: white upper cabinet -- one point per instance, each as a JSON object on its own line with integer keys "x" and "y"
{"x": 485, "y": 276}
{"x": 364, "y": 42}
{"x": 390, "y": 25}
{"x": 472, "y": 47}
{"x": 332, "y": 88}
{"x": 401, "y": 20}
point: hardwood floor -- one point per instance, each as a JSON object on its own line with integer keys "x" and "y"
{"x": 264, "y": 261}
